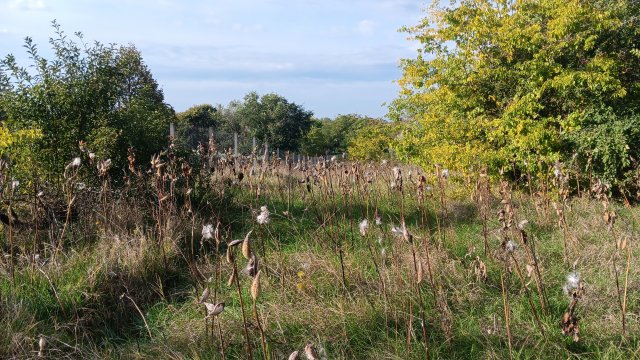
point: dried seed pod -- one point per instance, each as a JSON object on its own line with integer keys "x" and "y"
{"x": 569, "y": 325}
{"x": 419, "y": 273}
{"x": 529, "y": 270}
{"x": 230, "y": 256}
{"x": 232, "y": 278}
{"x": 214, "y": 309}
{"x": 205, "y": 295}
{"x": 311, "y": 352}
{"x": 480, "y": 269}
{"x": 246, "y": 247}
{"x": 252, "y": 267}
{"x": 41, "y": 344}
{"x": 255, "y": 287}
{"x": 234, "y": 243}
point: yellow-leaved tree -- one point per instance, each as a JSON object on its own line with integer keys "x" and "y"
{"x": 520, "y": 83}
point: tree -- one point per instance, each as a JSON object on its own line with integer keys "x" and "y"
{"x": 273, "y": 119}
{"x": 510, "y": 82}
{"x": 334, "y": 136}
{"x": 373, "y": 141}
{"x": 200, "y": 115}
{"x": 104, "y": 95}
{"x": 194, "y": 123}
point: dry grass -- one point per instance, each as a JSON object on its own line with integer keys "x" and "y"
{"x": 127, "y": 279}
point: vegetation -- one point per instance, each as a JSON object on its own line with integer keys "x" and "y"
{"x": 508, "y": 83}
{"x": 273, "y": 119}
{"x": 104, "y": 95}
{"x": 333, "y": 136}
{"x": 194, "y": 124}
{"x": 374, "y": 141}
{"x": 348, "y": 260}
{"x": 509, "y": 229}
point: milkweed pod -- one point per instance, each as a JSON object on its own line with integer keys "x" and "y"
{"x": 230, "y": 256}
{"x": 232, "y": 278}
{"x": 255, "y": 286}
{"x": 246, "y": 247}
{"x": 205, "y": 295}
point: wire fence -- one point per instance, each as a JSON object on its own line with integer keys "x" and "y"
{"x": 238, "y": 144}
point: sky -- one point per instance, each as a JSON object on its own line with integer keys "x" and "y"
{"x": 330, "y": 56}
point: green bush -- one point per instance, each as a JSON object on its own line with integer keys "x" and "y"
{"x": 104, "y": 95}
{"x": 606, "y": 142}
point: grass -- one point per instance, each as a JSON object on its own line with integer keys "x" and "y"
{"x": 127, "y": 281}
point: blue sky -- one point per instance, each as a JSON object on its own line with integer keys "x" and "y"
{"x": 331, "y": 56}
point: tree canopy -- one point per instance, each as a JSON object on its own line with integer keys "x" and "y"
{"x": 274, "y": 119}
{"x": 512, "y": 82}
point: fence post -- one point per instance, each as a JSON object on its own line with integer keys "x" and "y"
{"x": 235, "y": 144}
{"x": 265, "y": 159}
{"x": 254, "y": 155}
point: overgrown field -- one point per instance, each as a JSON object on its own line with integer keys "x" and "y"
{"x": 347, "y": 260}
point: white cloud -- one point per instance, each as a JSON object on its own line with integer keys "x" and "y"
{"x": 4, "y": 31}
{"x": 366, "y": 27}
{"x": 27, "y": 4}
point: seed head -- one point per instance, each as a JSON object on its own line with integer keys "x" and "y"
{"x": 572, "y": 282}
{"x": 207, "y": 231}
{"x": 522, "y": 224}
{"x": 364, "y": 227}
{"x": 74, "y": 163}
{"x": 263, "y": 218}
{"x": 510, "y": 246}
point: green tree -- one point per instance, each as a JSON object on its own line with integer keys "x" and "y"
{"x": 373, "y": 141}
{"x": 511, "y": 82}
{"x": 274, "y": 119}
{"x": 104, "y": 95}
{"x": 334, "y": 136}
{"x": 194, "y": 123}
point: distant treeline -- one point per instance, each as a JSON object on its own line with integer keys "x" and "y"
{"x": 287, "y": 126}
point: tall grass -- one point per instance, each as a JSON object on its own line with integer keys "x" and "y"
{"x": 340, "y": 259}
